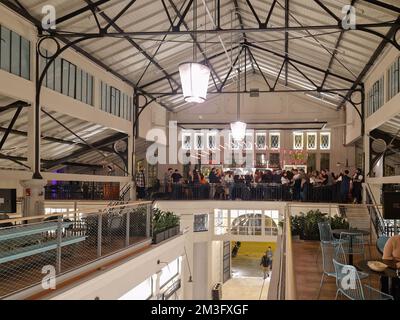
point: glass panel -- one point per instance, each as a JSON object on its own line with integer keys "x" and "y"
{"x": 50, "y": 77}
{"x": 103, "y": 96}
{"x": 311, "y": 140}
{"x": 212, "y": 141}
{"x": 274, "y": 140}
{"x": 199, "y": 141}
{"x": 274, "y": 160}
{"x": 89, "y": 99}
{"x": 25, "y": 58}
{"x": 79, "y": 84}
{"x": 57, "y": 73}
{"x": 325, "y": 162}
{"x": 186, "y": 141}
{"x": 65, "y": 80}
{"x": 84, "y": 86}
{"x": 325, "y": 143}
{"x": 71, "y": 86}
{"x": 169, "y": 272}
{"x": 311, "y": 162}
{"x": 15, "y": 53}
{"x": 297, "y": 140}
{"x": 5, "y": 48}
{"x": 261, "y": 140}
{"x": 117, "y": 103}
{"x": 112, "y": 98}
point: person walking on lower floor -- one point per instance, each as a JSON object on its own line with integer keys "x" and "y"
{"x": 265, "y": 265}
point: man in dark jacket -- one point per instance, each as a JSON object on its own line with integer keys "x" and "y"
{"x": 264, "y": 263}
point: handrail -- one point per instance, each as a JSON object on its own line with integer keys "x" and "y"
{"x": 69, "y": 243}
{"x": 283, "y": 283}
{"x": 378, "y": 221}
{"x": 290, "y": 283}
{"x": 85, "y": 211}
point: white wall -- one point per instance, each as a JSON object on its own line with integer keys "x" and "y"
{"x": 353, "y": 121}
{"x": 383, "y": 114}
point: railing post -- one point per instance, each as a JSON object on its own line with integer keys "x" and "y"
{"x": 59, "y": 240}
{"x": 99, "y": 233}
{"x": 148, "y": 220}
{"x": 128, "y": 223}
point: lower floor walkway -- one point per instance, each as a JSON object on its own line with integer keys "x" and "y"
{"x": 245, "y": 288}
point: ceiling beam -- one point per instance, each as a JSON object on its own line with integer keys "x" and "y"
{"x": 10, "y": 126}
{"x": 99, "y": 144}
{"x": 51, "y": 139}
{"x": 372, "y": 60}
{"x": 65, "y": 40}
{"x": 78, "y": 12}
{"x": 277, "y": 29}
{"x": 133, "y": 43}
{"x": 286, "y": 42}
{"x": 16, "y": 104}
{"x": 335, "y": 51}
{"x": 310, "y": 66}
{"x": 383, "y": 5}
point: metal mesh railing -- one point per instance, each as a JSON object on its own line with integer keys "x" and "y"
{"x": 248, "y": 191}
{"x": 33, "y": 248}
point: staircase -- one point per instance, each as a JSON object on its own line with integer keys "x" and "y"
{"x": 359, "y": 218}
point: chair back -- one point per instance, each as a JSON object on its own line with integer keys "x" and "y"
{"x": 352, "y": 242}
{"x": 380, "y": 243}
{"x": 325, "y": 231}
{"x": 348, "y": 281}
{"x": 329, "y": 251}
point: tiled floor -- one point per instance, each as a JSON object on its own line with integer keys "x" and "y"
{"x": 247, "y": 281}
{"x": 245, "y": 288}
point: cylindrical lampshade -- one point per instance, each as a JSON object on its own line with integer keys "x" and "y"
{"x": 194, "y": 80}
{"x": 238, "y": 130}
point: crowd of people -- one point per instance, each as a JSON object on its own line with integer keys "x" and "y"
{"x": 295, "y": 184}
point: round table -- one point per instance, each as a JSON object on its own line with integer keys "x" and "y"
{"x": 391, "y": 272}
{"x": 337, "y": 233}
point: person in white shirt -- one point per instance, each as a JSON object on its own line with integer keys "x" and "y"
{"x": 284, "y": 179}
{"x": 228, "y": 181}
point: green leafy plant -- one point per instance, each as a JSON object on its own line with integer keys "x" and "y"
{"x": 306, "y": 224}
{"x": 164, "y": 220}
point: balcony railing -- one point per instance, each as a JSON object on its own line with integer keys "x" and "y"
{"x": 283, "y": 281}
{"x": 250, "y": 191}
{"x": 31, "y": 248}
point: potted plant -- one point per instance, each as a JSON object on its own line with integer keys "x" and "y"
{"x": 165, "y": 225}
{"x": 305, "y": 225}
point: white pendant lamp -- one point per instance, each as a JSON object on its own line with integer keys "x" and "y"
{"x": 194, "y": 80}
{"x": 194, "y": 76}
{"x": 238, "y": 128}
